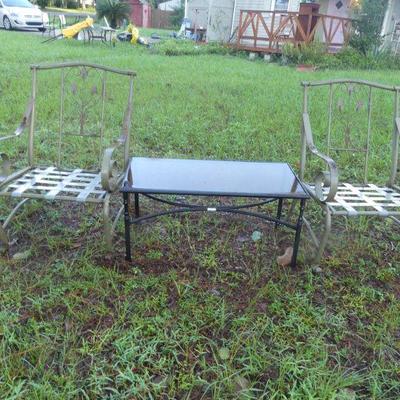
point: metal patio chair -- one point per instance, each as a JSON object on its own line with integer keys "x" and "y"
{"x": 73, "y": 150}
{"x": 359, "y": 173}
{"x": 57, "y": 23}
{"x": 104, "y": 33}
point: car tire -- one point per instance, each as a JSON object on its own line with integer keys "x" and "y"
{"x": 42, "y": 30}
{"x": 7, "y": 23}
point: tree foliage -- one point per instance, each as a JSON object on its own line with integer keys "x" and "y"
{"x": 368, "y": 25}
{"x": 114, "y": 10}
{"x": 178, "y": 14}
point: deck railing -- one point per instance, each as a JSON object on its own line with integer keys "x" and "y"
{"x": 268, "y": 31}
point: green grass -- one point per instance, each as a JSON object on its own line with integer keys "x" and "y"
{"x": 203, "y": 312}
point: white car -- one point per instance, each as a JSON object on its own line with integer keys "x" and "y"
{"x": 21, "y": 14}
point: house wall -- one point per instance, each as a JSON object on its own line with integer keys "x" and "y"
{"x": 140, "y": 14}
{"x": 197, "y": 12}
{"x": 169, "y": 5}
{"x": 220, "y": 20}
{"x": 146, "y": 19}
{"x": 391, "y": 18}
{"x": 136, "y": 12}
{"x": 345, "y": 12}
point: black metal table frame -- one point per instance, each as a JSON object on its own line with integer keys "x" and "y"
{"x": 186, "y": 208}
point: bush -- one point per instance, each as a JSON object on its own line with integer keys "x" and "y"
{"x": 188, "y": 48}
{"x": 178, "y": 15}
{"x": 58, "y": 3}
{"x": 347, "y": 58}
{"x": 314, "y": 54}
{"x": 367, "y": 26}
{"x": 42, "y": 3}
{"x": 72, "y": 4}
{"x": 114, "y": 10}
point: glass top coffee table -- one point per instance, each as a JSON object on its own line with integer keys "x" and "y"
{"x": 267, "y": 182}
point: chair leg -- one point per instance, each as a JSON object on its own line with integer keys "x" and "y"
{"x": 3, "y": 234}
{"x": 5, "y": 243}
{"x": 108, "y": 228}
{"x": 325, "y": 236}
{"x": 320, "y": 243}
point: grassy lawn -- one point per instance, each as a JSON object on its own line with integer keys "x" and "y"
{"x": 203, "y": 311}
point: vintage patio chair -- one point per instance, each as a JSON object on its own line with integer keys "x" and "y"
{"x": 55, "y": 24}
{"x": 74, "y": 116}
{"x": 358, "y": 125}
{"x": 104, "y": 33}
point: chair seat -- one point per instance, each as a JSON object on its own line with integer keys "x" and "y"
{"x": 51, "y": 183}
{"x": 353, "y": 200}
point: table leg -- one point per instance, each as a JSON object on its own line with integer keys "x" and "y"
{"x": 137, "y": 208}
{"x": 298, "y": 233}
{"x": 279, "y": 214}
{"x": 127, "y": 218}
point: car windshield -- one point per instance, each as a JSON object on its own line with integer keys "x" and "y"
{"x": 18, "y": 3}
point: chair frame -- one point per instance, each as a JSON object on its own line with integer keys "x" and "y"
{"x": 58, "y": 22}
{"x": 101, "y": 33}
{"x": 107, "y": 177}
{"x": 337, "y": 198}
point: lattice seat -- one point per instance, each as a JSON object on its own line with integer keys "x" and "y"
{"x": 353, "y": 200}
{"x": 51, "y": 183}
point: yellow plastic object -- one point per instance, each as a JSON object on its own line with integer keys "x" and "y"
{"x": 73, "y": 30}
{"x": 134, "y": 32}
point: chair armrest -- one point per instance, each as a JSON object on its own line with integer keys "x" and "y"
{"x": 111, "y": 175}
{"x": 24, "y": 123}
{"x": 329, "y": 178}
{"x": 394, "y": 178}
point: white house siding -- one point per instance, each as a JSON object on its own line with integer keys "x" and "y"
{"x": 197, "y": 12}
{"x": 248, "y": 5}
{"x": 344, "y": 12}
{"x": 392, "y": 18}
{"x": 169, "y": 5}
{"x": 220, "y": 20}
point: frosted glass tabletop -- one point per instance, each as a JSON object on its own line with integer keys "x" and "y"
{"x": 212, "y": 178}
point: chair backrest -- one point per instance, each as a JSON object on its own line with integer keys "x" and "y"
{"x": 356, "y": 124}
{"x": 79, "y": 110}
{"x": 107, "y": 25}
{"x": 45, "y": 19}
{"x": 62, "y": 19}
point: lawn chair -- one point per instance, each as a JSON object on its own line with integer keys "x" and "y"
{"x": 57, "y": 23}
{"x": 103, "y": 33}
{"x": 76, "y": 155}
{"x": 359, "y": 128}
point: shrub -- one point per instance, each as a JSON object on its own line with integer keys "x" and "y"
{"x": 177, "y": 15}
{"x": 42, "y": 3}
{"x": 347, "y": 58}
{"x": 367, "y": 26}
{"x": 58, "y": 3}
{"x": 188, "y": 48}
{"x": 72, "y": 4}
{"x": 114, "y": 10}
{"x": 314, "y": 53}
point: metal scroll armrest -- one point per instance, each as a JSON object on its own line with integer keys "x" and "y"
{"x": 111, "y": 175}
{"x": 5, "y": 164}
{"x": 325, "y": 179}
{"x": 24, "y": 123}
{"x": 395, "y": 157}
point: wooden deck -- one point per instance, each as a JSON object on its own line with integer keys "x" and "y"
{"x": 268, "y": 31}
